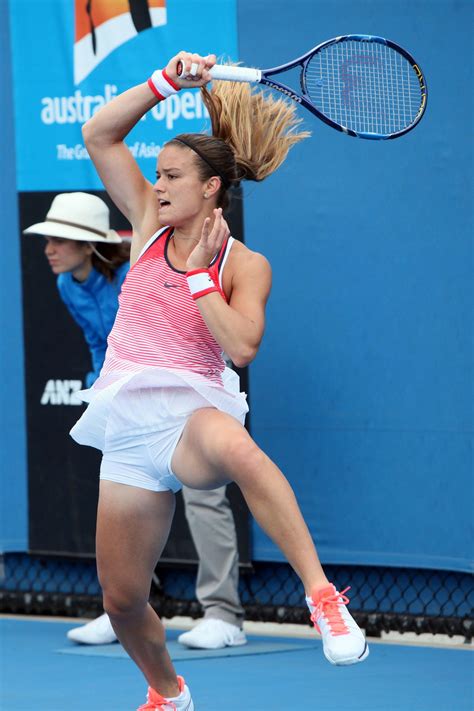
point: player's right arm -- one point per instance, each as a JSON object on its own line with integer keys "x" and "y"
{"x": 104, "y": 136}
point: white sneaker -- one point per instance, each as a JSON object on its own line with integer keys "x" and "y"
{"x": 343, "y": 640}
{"x": 99, "y": 631}
{"x": 212, "y": 633}
{"x": 156, "y": 702}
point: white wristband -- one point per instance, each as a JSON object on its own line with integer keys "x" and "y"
{"x": 200, "y": 283}
{"x": 161, "y": 85}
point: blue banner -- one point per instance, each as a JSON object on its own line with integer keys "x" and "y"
{"x": 71, "y": 57}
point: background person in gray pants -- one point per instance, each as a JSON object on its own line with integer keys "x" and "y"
{"x": 212, "y": 527}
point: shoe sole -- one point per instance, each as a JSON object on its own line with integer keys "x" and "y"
{"x": 193, "y": 646}
{"x": 89, "y": 643}
{"x": 348, "y": 662}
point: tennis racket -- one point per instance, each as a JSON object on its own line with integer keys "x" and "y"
{"x": 365, "y": 86}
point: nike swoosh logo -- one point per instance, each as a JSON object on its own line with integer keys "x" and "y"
{"x": 170, "y": 286}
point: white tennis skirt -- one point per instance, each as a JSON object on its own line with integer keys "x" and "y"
{"x": 150, "y": 400}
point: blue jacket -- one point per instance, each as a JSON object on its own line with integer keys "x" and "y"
{"x": 93, "y": 303}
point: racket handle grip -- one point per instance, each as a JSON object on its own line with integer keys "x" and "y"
{"x": 228, "y": 72}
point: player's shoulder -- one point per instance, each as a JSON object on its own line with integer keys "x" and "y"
{"x": 245, "y": 258}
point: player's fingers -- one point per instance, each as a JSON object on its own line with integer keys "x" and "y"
{"x": 195, "y": 68}
{"x": 206, "y": 230}
{"x": 197, "y": 65}
{"x": 210, "y": 60}
{"x": 179, "y": 66}
{"x": 186, "y": 62}
{"x": 220, "y": 228}
{"x": 198, "y": 72}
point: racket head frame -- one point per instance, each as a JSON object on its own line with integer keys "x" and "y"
{"x": 304, "y": 99}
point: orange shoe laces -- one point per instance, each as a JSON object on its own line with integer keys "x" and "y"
{"x": 151, "y": 706}
{"x": 163, "y": 706}
{"x": 156, "y": 702}
{"x": 329, "y": 607}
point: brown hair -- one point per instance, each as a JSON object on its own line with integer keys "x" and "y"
{"x": 116, "y": 255}
{"x": 252, "y": 132}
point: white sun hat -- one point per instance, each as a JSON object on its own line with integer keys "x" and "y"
{"x": 78, "y": 216}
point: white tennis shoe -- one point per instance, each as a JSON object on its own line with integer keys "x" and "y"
{"x": 212, "y": 633}
{"x": 99, "y": 631}
{"x": 343, "y": 640}
{"x": 156, "y": 702}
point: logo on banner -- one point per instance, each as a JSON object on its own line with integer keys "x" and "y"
{"x": 104, "y": 25}
{"x": 95, "y": 50}
{"x": 61, "y": 392}
{"x": 101, "y": 27}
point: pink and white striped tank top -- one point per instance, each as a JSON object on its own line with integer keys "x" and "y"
{"x": 158, "y": 323}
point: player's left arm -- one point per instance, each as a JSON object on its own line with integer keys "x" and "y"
{"x": 238, "y": 326}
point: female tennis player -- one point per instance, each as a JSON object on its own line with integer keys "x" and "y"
{"x": 165, "y": 410}
{"x": 91, "y": 262}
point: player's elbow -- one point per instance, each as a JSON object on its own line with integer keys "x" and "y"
{"x": 87, "y": 132}
{"x": 91, "y": 133}
{"x": 244, "y": 356}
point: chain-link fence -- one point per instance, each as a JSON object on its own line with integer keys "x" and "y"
{"x": 382, "y": 599}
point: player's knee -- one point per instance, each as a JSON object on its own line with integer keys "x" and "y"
{"x": 122, "y": 599}
{"x": 118, "y": 604}
{"x": 243, "y": 456}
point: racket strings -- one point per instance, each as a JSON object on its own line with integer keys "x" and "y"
{"x": 367, "y": 87}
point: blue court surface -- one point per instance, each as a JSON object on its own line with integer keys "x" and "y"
{"x": 42, "y": 671}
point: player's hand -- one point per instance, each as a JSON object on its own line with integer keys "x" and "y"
{"x": 190, "y": 70}
{"x": 212, "y": 239}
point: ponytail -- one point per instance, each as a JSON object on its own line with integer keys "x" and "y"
{"x": 259, "y": 128}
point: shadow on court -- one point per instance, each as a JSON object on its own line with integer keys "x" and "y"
{"x": 41, "y": 670}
